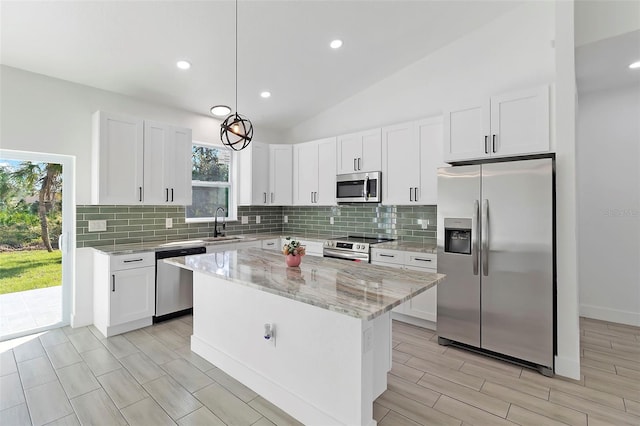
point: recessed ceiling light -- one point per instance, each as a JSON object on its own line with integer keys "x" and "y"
{"x": 336, "y": 44}
{"x": 183, "y": 65}
{"x": 635, "y": 65}
{"x": 265, "y": 94}
{"x": 220, "y": 110}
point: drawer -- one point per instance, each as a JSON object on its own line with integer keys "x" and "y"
{"x": 313, "y": 248}
{"x": 421, "y": 260}
{"x": 271, "y": 244}
{"x": 388, "y": 265}
{"x": 387, "y": 256}
{"x": 129, "y": 261}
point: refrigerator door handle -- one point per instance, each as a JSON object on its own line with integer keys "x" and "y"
{"x": 474, "y": 236}
{"x": 485, "y": 238}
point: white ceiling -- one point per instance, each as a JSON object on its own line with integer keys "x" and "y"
{"x": 131, "y": 47}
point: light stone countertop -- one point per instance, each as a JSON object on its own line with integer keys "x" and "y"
{"x": 360, "y": 290}
{"x": 407, "y": 246}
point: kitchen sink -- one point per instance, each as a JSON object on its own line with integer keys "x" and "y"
{"x": 182, "y": 243}
{"x": 225, "y": 238}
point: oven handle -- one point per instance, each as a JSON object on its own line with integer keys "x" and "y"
{"x": 339, "y": 254}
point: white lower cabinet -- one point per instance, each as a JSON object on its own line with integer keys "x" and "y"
{"x": 124, "y": 292}
{"x": 236, "y": 245}
{"x": 423, "y": 306}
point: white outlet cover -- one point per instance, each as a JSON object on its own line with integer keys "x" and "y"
{"x": 331, "y": 220}
{"x": 169, "y": 222}
{"x": 97, "y": 225}
{"x": 257, "y": 219}
{"x": 285, "y": 219}
{"x": 245, "y": 220}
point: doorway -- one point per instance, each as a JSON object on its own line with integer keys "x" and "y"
{"x": 37, "y": 215}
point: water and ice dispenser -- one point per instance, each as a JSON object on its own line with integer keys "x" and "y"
{"x": 457, "y": 235}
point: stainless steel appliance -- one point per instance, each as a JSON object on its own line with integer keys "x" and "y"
{"x": 496, "y": 246}
{"x": 174, "y": 285}
{"x": 359, "y": 188}
{"x": 351, "y": 248}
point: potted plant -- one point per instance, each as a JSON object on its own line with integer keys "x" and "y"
{"x": 293, "y": 252}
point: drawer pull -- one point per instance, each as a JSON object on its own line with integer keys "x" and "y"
{"x": 113, "y": 283}
{"x": 271, "y": 244}
{"x": 422, "y": 260}
{"x": 386, "y": 255}
{"x": 133, "y": 260}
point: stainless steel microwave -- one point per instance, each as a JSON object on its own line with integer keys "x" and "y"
{"x": 359, "y": 188}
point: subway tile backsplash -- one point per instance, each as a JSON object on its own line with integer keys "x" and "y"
{"x": 137, "y": 224}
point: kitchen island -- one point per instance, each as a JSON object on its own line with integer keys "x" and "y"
{"x": 329, "y": 352}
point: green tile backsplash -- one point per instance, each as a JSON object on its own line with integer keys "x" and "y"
{"x": 137, "y": 224}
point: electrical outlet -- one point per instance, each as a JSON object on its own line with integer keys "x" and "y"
{"x": 245, "y": 220}
{"x": 257, "y": 219}
{"x": 168, "y": 222}
{"x": 424, "y": 223}
{"x": 97, "y": 225}
{"x": 331, "y": 220}
{"x": 285, "y": 219}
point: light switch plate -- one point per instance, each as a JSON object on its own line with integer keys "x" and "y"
{"x": 331, "y": 220}
{"x": 168, "y": 222}
{"x": 97, "y": 225}
{"x": 245, "y": 220}
{"x": 285, "y": 219}
{"x": 257, "y": 219}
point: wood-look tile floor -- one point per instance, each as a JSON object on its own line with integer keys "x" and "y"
{"x": 150, "y": 377}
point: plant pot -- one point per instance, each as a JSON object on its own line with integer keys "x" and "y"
{"x": 293, "y": 260}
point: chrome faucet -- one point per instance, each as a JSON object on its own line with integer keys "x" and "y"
{"x": 216, "y": 233}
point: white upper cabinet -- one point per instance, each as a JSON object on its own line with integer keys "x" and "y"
{"x": 359, "y": 152}
{"x": 117, "y": 157}
{"x": 401, "y": 164}
{"x": 280, "y": 175}
{"x": 515, "y": 123}
{"x": 314, "y": 169}
{"x": 429, "y": 134}
{"x": 167, "y": 164}
{"x": 139, "y": 162}
{"x": 253, "y": 163}
{"x": 265, "y": 175}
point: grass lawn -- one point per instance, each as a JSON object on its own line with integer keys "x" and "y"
{"x": 30, "y": 269}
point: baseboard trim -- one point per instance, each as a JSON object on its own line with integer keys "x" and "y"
{"x": 611, "y": 315}
{"x": 419, "y": 322}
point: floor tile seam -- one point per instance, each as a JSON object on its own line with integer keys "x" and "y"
{"x": 598, "y": 406}
{"x": 538, "y": 414}
{"x": 150, "y": 395}
{"x": 433, "y": 373}
{"x": 627, "y": 356}
{"x": 615, "y": 378}
{"x": 471, "y": 404}
{"x": 24, "y": 394}
{"x": 415, "y": 400}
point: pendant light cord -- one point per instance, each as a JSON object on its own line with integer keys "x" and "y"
{"x": 236, "y": 56}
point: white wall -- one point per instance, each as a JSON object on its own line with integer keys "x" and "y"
{"x": 512, "y": 52}
{"x": 608, "y": 162}
{"x": 44, "y": 114}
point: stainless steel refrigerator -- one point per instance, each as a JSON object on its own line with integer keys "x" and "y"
{"x": 496, "y": 246}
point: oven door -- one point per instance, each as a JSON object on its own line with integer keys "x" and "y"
{"x": 345, "y": 255}
{"x": 358, "y": 188}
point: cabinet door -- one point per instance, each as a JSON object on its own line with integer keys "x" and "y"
{"x": 281, "y": 175}
{"x": 132, "y": 295}
{"x": 430, "y": 140}
{"x": 178, "y": 166}
{"x": 349, "y": 149}
{"x": 326, "y": 192}
{"x": 425, "y": 304}
{"x": 305, "y": 165}
{"x": 402, "y": 307}
{"x": 371, "y": 160}
{"x": 253, "y": 165}
{"x": 117, "y": 159}
{"x": 401, "y": 165}
{"x": 157, "y": 140}
{"x": 520, "y": 122}
{"x": 466, "y": 132}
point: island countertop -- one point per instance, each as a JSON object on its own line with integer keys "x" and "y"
{"x": 359, "y": 290}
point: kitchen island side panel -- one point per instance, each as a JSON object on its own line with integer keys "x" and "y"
{"x": 321, "y": 367}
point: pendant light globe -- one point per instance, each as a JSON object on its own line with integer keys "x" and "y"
{"x": 236, "y": 132}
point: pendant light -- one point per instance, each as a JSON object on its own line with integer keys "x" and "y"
{"x": 236, "y": 131}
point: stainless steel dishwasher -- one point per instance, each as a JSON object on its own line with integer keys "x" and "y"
{"x": 174, "y": 285}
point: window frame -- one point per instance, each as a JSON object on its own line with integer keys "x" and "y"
{"x": 232, "y": 213}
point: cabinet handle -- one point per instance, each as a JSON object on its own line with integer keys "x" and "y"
{"x": 410, "y": 194}
{"x": 272, "y": 197}
{"x": 386, "y": 255}
{"x": 422, "y": 260}
{"x": 271, "y": 244}
{"x": 140, "y": 193}
{"x": 486, "y": 144}
{"x": 415, "y": 194}
{"x": 359, "y": 166}
{"x": 355, "y": 167}
{"x": 133, "y": 260}
{"x": 172, "y": 195}
{"x": 493, "y": 144}
{"x": 311, "y": 197}
{"x": 264, "y": 195}
{"x": 166, "y": 194}
{"x": 113, "y": 283}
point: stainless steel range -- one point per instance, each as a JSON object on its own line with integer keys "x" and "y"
{"x": 351, "y": 248}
